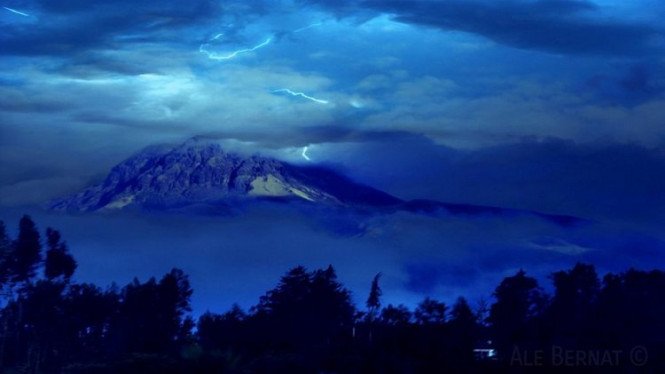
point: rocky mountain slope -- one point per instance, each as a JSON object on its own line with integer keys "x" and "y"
{"x": 203, "y": 173}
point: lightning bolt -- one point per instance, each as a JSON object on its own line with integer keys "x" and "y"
{"x": 308, "y": 27}
{"x": 203, "y": 48}
{"x": 218, "y": 57}
{"x": 304, "y": 154}
{"x": 16, "y": 12}
{"x": 292, "y": 93}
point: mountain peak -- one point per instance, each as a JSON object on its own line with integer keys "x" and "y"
{"x": 200, "y": 171}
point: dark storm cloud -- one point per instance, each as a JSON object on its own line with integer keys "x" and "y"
{"x": 558, "y": 26}
{"x": 91, "y": 63}
{"x": 16, "y": 102}
{"x": 66, "y": 27}
{"x": 631, "y": 85}
{"x": 597, "y": 181}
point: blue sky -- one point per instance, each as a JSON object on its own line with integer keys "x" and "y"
{"x": 549, "y": 105}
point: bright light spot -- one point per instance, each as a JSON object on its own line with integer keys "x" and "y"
{"x": 356, "y": 104}
{"x": 300, "y": 94}
{"x": 217, "y": 56}
{"x": 17, "y": 12}
{"x": 304, "y": 154}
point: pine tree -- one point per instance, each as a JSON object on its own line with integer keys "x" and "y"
{"x": 174, "y": 303}
{"x": 374, "y": 299}
{"x": 59, "y": 263}
{"x": 26, "y": 254}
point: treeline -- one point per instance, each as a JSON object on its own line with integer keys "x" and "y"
{"x": 308, "y": 323}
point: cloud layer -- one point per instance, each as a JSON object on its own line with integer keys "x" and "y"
{"x": 548, "y": 105}
{"x": 483, "y": 82}
{"x": 557, "y": 26}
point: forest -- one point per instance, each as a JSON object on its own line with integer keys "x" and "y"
{"x": 308, "y": 323}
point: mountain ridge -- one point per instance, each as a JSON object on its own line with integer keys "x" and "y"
{"x": 195, "y": 173}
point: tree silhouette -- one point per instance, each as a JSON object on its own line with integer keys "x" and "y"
{"x": 42, "y": 315}
{"x": 575, "y": 295}
{"x": 59, "y": 263}
{"x": 149, "y": 317}
{"x": 374, "y": 298}
{"x": 222, "y": 331}
{"x": 5, "y": 255}
{"x": 6, "y": 252}
{"x": 174, "y": 293}
{"x": 331, "y": 302}
{"x": 464, "y": 332}
{"x": 631, "y": 308}
{"x": 462, "y": 316}
{"x": 89, "y": 311}
{"x": 288, "y": 297}
{"x": 307, "y": 323}
{"x": 373, "y": 304}
{"x": 430, "y": 312}
{"x": 26, "y": 253}
{"x": 309, "y": 315}
{"x": 518, "y": 301}
{"x": 395, "y": 315}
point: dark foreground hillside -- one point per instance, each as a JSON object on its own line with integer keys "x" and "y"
{"x": 308, "y": 324}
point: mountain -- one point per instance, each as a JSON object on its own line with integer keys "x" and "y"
{"x": 203, "y": 174}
